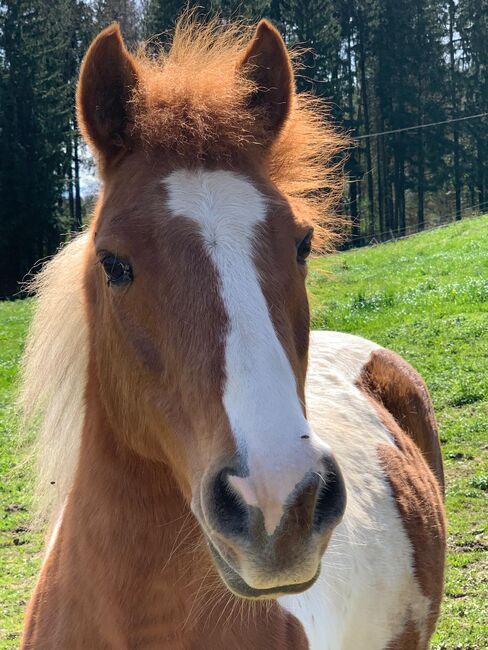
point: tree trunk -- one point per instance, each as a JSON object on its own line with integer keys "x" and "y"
{"x": 401, "y": 188}
{"x": 355, "y": 223}
{"x": 71, "y": 201}
{"x": 454, "y": 103}
{"x": 365, "y": 105}
{"x": 352, "y": 163}
{"x": 480, "y": 176}
{"x": 457, "y": 174}
{"x": 78, "y": 219}
{"x": 388, "y": 208}
{"x": 420, "y": 182}
{"x": 380, "y": 193}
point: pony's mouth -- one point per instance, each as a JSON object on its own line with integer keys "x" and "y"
{"x": 235, "y": 583}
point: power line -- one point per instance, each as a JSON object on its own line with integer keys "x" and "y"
{"x": 413, "y": 229}
{"x": 420, "y": 126}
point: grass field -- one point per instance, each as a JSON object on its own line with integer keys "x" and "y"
{"x": 425, "y": 297}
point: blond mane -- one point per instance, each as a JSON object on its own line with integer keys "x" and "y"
{"x": 54, "y": 370}
{"x": 190, "y": 99}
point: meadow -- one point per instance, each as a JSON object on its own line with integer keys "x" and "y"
{"x": 425, "y": 297}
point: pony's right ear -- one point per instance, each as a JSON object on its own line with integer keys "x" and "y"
{"x": 107, "y": 78}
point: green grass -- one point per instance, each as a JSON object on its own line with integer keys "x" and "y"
{"x": 19, "y": 549}
{"x": 425, "y": 297}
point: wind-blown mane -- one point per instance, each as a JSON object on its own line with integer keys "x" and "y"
{"x": 190, "y": 100}
{"x": 54, "y": 374}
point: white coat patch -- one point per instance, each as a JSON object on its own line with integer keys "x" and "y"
{"x": 367, "y": 588}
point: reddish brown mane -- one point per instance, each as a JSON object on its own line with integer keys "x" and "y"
{"x": 192, "y": 101}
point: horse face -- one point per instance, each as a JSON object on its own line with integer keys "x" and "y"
{"x": 196, "y": 290}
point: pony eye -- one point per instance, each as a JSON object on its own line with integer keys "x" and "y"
{"x": 304, "y": 247}
{"x": 117, "y": 271}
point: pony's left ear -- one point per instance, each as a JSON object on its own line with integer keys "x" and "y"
{"x": 107, "y": 78}
{"x": 266, "y": 62}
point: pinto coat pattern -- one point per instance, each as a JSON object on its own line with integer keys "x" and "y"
{"x": 223, "y": 479}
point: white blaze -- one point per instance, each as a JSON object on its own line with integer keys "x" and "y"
{"x": 260, "y": 394}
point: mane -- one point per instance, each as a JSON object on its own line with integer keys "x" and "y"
{"x": 54, "y": 368}
{"x": 190, "y": 99}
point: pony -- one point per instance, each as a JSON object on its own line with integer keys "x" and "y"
{"x": 220, "y": 478}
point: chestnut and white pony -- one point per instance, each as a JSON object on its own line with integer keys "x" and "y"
{"x": 210, "y": 493}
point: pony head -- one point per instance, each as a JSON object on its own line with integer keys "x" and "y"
{"x": 214, "y": 178}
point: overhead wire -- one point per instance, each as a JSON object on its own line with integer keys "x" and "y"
{"x": 420, "y": 126}
{"x": 413, "y": 229}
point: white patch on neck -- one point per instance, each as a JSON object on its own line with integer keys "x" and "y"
{"x": 260, "y": 395}
{"x": 367, "y": 591}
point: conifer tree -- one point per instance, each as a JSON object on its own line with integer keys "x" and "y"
{"x": 33, "y": 123}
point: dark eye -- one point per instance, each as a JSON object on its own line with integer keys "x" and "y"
{"x": 304, "y": 247}
{"x": 117, "y": 271}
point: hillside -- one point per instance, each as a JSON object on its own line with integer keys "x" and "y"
{"x": 425, "y": 297}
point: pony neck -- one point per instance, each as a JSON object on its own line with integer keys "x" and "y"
{"x": 127, "y": 520}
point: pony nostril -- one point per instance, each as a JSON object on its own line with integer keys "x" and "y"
{"x": 331, "y": 499}
{"x": 230, "y": 512}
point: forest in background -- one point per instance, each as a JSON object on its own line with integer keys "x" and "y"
{"x": 385, "y": 66}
